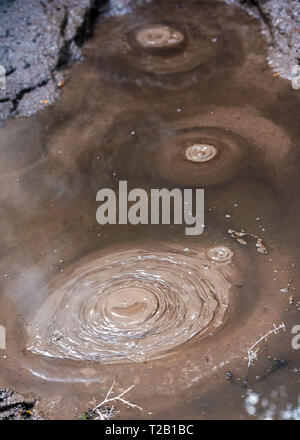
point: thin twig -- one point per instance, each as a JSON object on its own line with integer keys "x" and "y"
{"x": 103, "y": 415}
{"x": 252, "y": 355}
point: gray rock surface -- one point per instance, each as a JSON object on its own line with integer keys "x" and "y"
{"x": 36, "y": 39}
{"x": 14, "y": 406}
{"x": 280, "y": 21}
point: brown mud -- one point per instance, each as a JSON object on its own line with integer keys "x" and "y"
{"x": 130, "y": 114}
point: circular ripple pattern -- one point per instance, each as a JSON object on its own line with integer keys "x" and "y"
{"x": 132, "y": 305}
{"x": 169, "y": 154}
{"x": 225, "y": 158}
{"x": 170, "y": 53}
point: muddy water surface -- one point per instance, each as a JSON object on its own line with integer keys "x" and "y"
{"x": 174, "y": 96}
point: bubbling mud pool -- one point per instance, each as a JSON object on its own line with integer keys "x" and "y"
{"x": 134, "y": 305}
{"x": 165, "y": 52}
{"x": 85, "y": 305}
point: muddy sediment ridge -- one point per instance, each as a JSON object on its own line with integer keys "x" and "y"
{"x": 160, "y": 101}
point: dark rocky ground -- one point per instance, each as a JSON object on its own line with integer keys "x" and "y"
{"x": 280, "y": 21}
{"x": 14, "y": 406}
{"x": 37, "y": 39}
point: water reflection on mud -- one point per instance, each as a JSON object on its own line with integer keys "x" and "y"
{"x": 84, "y": 304}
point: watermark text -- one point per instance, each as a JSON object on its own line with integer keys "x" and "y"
{"x": 133, "y": 207}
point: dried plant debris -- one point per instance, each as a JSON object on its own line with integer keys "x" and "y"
{"x": 260, "y": 247}
{"x": 241, "y": 236}
{"x": 14, "y": 406}
{"x": 291, "y": 298}
{"x": 105, "y": 410}
{"x": 252, "y": 351}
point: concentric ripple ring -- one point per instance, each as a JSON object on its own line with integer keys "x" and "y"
{"x": 132, "y": 305}
{"x": 172, "y": 154}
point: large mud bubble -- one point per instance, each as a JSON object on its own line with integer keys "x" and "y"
{"x": 133, "y": 305}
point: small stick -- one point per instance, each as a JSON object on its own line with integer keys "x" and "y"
{"x": 119, "y": 397}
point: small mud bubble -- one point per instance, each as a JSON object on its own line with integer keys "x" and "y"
{"x": 158, "y": 35}
{"x": 157, "y": 39}
{"x": 200, "y": 152}
{"x": 220, "y": 254}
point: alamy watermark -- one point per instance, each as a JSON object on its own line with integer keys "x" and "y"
{"x": 2, "y": 338}
{"x": 161, "y": 201}
{"x": 296, "y": 77}
{"x": 296, "y": 338}
{"x": 2, "y": 78}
